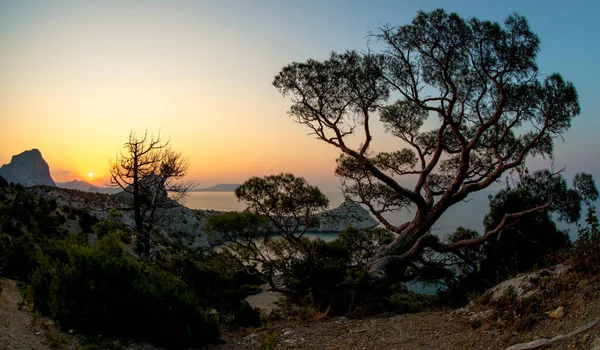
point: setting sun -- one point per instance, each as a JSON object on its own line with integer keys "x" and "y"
{"x": 90, "y": 174}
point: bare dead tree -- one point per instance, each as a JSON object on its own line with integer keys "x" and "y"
{"x": 477, "y": 80}
{"x": 151, "y": 174}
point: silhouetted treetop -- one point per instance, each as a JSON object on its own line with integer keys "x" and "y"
{"x": 476, "y": 81}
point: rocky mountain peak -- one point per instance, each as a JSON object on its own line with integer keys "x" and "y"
{"x": 28, "y": 168}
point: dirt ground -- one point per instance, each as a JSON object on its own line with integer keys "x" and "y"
{"x": 437, "y": 330}
{"x": 17, "y": 331}
{"x": 433, "y": 330}
{"x": 451, "y": 330}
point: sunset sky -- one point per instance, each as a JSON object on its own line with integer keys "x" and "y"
{"x": 77, "y": 76}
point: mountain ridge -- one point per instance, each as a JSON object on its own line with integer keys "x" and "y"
{"x": 86, "y": 187}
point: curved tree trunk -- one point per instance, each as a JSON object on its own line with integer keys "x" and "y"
{"x": 397, "y": 254}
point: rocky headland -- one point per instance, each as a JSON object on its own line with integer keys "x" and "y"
{"x": 28, "y": 168}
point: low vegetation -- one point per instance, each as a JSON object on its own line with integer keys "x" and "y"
{"x": 182, "y": 297}
{"x": 177, "y": 299}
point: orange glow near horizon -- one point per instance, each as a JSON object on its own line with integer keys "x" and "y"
{"x": 77, "y": 101}
{"x": 78, "y": 77}
{"x": 76, "y": 93}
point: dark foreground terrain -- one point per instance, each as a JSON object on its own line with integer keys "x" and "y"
{"x": 477, "y": 327}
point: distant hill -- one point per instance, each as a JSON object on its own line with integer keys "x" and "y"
{"x": 86, "y": 187}
{"x": 218, "y": 188}
{"x": 27, "y": 168}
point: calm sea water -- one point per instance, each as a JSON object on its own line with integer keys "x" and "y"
{"x": 467, "y": 214}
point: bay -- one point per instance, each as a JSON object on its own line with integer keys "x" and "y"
{"x": 468, "y": 214}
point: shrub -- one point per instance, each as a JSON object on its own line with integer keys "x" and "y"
{"x": 106, "y": 226}
{"x": 521, "y": 314}
{"x": 586, "y": 251}
{"x": 86, "y": 221}
{"x": 223, "y": 285}
{"x": 22, "y": 256}
{"x": 103, "y": 290}
{"x": 408, "y": 302}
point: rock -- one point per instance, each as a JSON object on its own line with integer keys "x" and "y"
{"x": 525, "y": 285}
{"x": 290, "y": 341}
{"x": 460, "y": 312}
{"x": 28, "y": 169}
{"x": 480, "y": 316}
{"x": 474, "y": 317}
{"x": 558, "y": 313}
{"x": 347, "y": 214}
{"x": 251, "y": 336}
{"x": 341, "y": 320}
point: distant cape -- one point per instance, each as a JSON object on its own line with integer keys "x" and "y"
{"x": 218, "y": 188}
{"x": 86, "y": 187}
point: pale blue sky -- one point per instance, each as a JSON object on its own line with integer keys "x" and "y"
{"x": 85, "y": 73}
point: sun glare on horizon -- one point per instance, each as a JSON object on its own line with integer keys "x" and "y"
{"x": 90, "y": 174}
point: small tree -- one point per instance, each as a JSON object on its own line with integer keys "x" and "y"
{"x": 289, "y": 202}
{"x": 151, "y": 174}
{"x": 476, "y": 81}
{"x": 281, "y": 206}
{"x": 268, "y": 239}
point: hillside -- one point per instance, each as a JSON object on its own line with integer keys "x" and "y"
{"x": 477, "y": 327}
{"x": 183, "y": 224}
{"x": 187, "y": 225}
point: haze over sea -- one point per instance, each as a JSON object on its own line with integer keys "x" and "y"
{"x": 467, "y": 214}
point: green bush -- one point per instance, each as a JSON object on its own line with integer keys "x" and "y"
{"x": 86, "y": 221}
{"x": 103, "y": 290}
{"x": 330, "y": 277}
{"x": 22, "y": 256}
{"x": 223, "y": 285}
{"x": 586, "y": 251}
{"x": 106, "y": 226}
{"x": 408, "y": 302}
{"x": 521, "y": 314}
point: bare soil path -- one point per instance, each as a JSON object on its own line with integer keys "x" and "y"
{"x": 17, "y": 331}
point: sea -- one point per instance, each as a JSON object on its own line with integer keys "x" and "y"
{"x": 468, "y": 214}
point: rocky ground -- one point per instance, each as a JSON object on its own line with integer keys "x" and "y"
{"x": 17, "y": 330}
{"x": 558, "y": 300}
{"x": 435, "y": 330}
{"x": 475, "y": 327}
